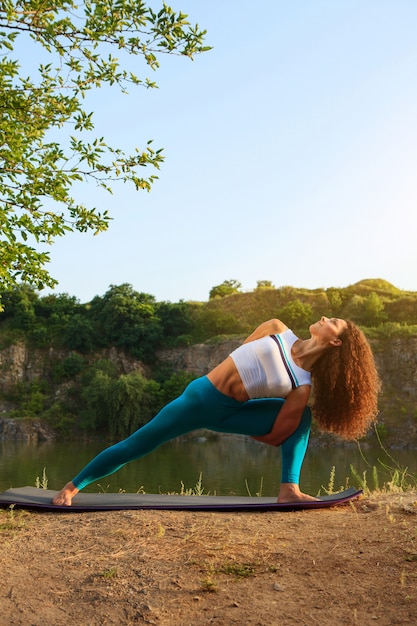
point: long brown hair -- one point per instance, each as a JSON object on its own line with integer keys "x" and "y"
{"x": 346, "y": 386}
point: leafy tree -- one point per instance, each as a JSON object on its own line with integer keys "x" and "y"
{"x": 374, "y": 313}
{"x": 354, "y": 308}
{"x": 119, "y": 404}
{"x": 55, "y": 317}
{"x": 403, "y": 309}
{"x": 334, "y": 297}
{"x": 68, "y": 367}
{"x": 20, "y": 304}
{"x": 127, "y": 319}
{"x": 264, "y": 284}
{"x": 174, "y": 386}
{"x": 175, "y": 318}
{"x": 214, "y": 322}
{"x": 79, "y": 334}
{"x": 368, "y": 310}
{"x": 296, "y": 314}
{"x": 126, "y": 404}
{"x": 47, "y": 144}
{"x": 227, "y": 288}
{"x": 94, "y": 398}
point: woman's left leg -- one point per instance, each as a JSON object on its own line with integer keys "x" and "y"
{"x": 257, "y": 417}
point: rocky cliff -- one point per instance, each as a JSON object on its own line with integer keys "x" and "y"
{"x": 396, "y": 360}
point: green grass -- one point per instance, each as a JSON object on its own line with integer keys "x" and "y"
{"x": 387, "y": 476}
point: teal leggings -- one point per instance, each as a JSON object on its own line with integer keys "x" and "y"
{"x": 203, "y": 406}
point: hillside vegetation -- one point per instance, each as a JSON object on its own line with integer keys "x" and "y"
{"x": 93, "y": 367}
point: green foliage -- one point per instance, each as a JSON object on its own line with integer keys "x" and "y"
{"x": 264, "y": 284}
{"x": 30, "y": 399}
{"x": 213, "y": 322}
{"x": 127, "y": 319}
{"x": 296, "y": 314}
{"x": 48, "y": 148}
{"x": 378, "y": 285}
{"x": 60, "y": 418}
{"x": 128, "y": 401}
{"x": 19, "y": 307}
{"x": 335, "y": 300}
{"x": 117, "y": 404}
{"x": 175, "y": 320}
{"x": 402, "y": 309}
{"x": 227, "y": 288}
{"x": 68, "y": 367}
{"x": 374, "y": 309}
{"x": 174, "y": 386}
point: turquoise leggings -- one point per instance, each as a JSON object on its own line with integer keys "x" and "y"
{"x": 203, "y": 406}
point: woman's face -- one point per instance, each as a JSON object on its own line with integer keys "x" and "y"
{"x": 329, "y": 329}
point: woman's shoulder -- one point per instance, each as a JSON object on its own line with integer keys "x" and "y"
{"x": 278, "y": 326}
{"x": 271, "y": 327}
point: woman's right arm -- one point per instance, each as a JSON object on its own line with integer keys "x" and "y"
{"x": 271, "y": 327}
{"x": 288, "y": 419}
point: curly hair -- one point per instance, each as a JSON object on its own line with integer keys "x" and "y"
{"x": 346, "y": 386}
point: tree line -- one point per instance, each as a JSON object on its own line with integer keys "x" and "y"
{"x": 85, "y": 392}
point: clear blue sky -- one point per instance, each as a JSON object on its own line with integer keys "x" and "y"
{"x": 291, "y": 156}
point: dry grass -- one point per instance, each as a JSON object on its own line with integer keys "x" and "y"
{"x": 352, "y": 564}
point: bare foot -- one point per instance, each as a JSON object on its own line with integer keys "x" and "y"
{"x": 290, "y": 492}
{"x": 65, "y": 496}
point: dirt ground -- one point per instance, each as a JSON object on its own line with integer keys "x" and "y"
{"x": 352, "y": 564}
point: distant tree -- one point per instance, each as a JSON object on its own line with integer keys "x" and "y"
{"x": 403, "y": 309}
{"x": 264, "y": 284}
{"x": 94, "y": 401}
{"x": 374, "y": 313}
{"x": 47, "y": 145}
{"x": 55, "y": 315}
{"x": 214, "y": 322}
{"x": 227, "y": 288}
{"x": 175, "y": 318}
{"x": 296, "y": 314}
{"x": 127, "y": 319}
{"x": 354, "y": 308}
{"x": 130, "y": 403}
{"x": 118, "y": 404}
{"x": 174, "y": 386}
{"x": 80, "y": 334}
{"x": 20, "y": 301}
{"x": 334, "y": 297}
{"x": 366, "y": 310}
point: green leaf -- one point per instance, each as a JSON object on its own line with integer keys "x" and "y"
{"x": 37, "y": 175}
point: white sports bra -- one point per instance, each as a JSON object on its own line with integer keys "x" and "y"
{"x": 266, "y": 366}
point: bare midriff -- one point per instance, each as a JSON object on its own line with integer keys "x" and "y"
{"x": 227, "y": 380}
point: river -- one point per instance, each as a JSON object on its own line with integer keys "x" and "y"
{"x": 226, "y": 465}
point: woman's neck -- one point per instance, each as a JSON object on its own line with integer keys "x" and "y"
{"x": 306, "y": 352}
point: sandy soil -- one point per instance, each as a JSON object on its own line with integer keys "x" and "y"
{"x": 352, "y": 564}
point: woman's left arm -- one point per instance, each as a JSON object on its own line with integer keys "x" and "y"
{"x": 288, "y": 418}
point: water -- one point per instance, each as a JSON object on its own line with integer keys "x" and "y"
{"x": 228, "y": 465}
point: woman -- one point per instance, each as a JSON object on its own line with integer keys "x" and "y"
{"x": 262, "y": 389}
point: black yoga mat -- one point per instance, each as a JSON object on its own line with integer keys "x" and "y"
{"x": 41, "y": 499}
